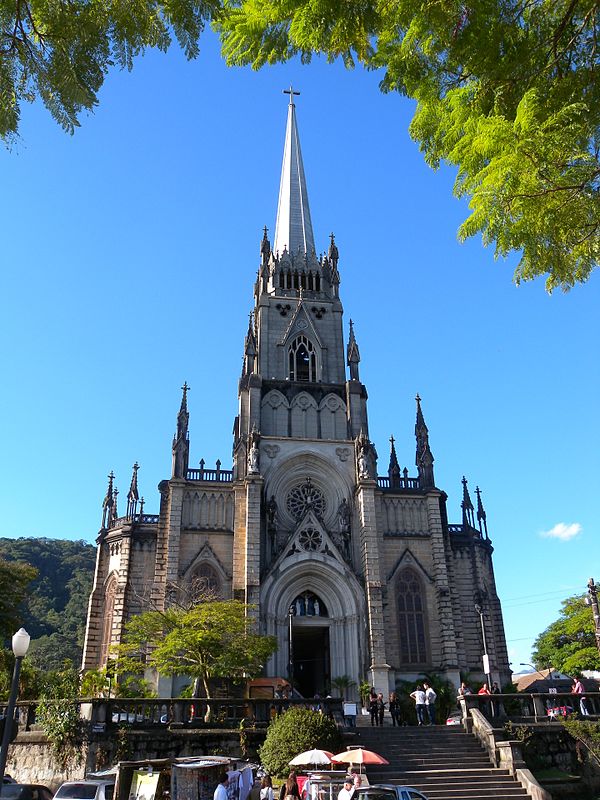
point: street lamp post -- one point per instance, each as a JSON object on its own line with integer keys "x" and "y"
{"x": 20, "y": 645}
{"x": 291, "y": 650}
{"x": 486, "y": 657}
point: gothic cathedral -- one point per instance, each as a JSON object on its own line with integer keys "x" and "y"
{"x": 360, "y": 573}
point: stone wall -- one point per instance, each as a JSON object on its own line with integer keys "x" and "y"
{"x": 30, "y": 758}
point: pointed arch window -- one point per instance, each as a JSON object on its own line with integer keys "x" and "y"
{"x": 411, "y": 618}
{"x": 302, "y": 360}
{"x": 205, "y": 581}
{"x": 107, "y": 618}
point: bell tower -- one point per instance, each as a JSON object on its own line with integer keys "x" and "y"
{"x": 304, "y": 467}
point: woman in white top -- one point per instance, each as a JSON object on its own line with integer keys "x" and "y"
{"x": 266, "y": 788}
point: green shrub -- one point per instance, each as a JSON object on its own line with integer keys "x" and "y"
{"x": 294, "y": 732}
{"x": 587, "y": 732}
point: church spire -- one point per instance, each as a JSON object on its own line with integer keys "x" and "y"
{"x": 107, "y": 503}
{"x": 468, "y": 518}
{"x": 250, "y": 348}
{"x": 353, "y": 355}
{"x": 424, "y": 457}
{"x": 181, "y": 441}
{"x": 394, "y": 468}
{"x": 481, "y": 515}
{"x": 293, "y": 230}
{"x": 133, "y": 494}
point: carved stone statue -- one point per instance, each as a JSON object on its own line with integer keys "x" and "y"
{"x": 254, "y": 459}
{"x": 344, "y": 516}
{"x": 271, "y": 511}
{"x": 363, "y": 463}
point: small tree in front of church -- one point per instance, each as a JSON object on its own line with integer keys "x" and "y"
{"x": 213, "y": 639}
{"x": 293, "y": 732}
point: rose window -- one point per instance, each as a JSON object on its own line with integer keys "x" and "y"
{"x": 305, "y": 497}
{"x": 310, "y": 539}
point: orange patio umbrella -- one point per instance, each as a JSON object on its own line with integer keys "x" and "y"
{"x": 359, "y": 755}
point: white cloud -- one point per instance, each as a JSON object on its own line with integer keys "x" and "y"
{"x": 563, "y": 531}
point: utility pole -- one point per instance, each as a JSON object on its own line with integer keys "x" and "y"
{"x": 592, "y": 600}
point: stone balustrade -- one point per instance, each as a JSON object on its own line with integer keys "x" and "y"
{"x": 152, "y": 713}
{"x": 530, "y": 708}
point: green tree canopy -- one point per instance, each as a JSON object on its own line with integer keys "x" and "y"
{"x": 293, "y": 732}
{"x": 569, "y": 644}
{"x": 213, "y": 639}
{"x": 54, "y": 610}
{"x": 17, "y": 576}
{"x": 506, "y": 90}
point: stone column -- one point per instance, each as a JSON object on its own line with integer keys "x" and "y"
{"x": 447, "y": 644}
{"x": 365, "y": 503}
{"x": 239, "y": 542}
{"x": 254, "y": 489}
{"x": 166, "y": 564}
{"x": 93, "y": 631}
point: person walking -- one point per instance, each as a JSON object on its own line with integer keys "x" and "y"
{"x": 394, "y": 709}
{"x": 221, "y": 790}
{"x": 290, "y": 788}
{"x": 578, "y": 689}
{"x": 266, "y": 788}
{"x": 419, "y": 697}
{"x": 430, "y": 698}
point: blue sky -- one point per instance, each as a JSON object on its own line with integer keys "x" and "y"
{"x": 129, "y": 255}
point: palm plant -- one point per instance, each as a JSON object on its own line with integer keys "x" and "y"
{"x": 342, "y": 683}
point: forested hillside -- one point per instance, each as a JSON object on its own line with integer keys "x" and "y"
{"x": 55, "y": 605}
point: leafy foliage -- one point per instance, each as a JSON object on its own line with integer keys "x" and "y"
{"x": 293, "y": 732}
{"x": 506, "y": 91}
{"x": 18, "y": 576}
{"x": 58, "y": 713}
{"x": 208, "y": 640}
{"x": 342, "y": 683}
{"x": 61, "y": 52}
{"x": 569, "y": 643}
{"x": 54, "y": 611}
{"x": 62, "y": 724}
{"x": 587, "y": 732}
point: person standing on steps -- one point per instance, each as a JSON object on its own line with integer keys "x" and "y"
{"x": 495, "y": 706}
{"x": 373, "y": 705}
{"x": 380, "y": 708}
{"x": 394, "y": 708}
{"x": 419, "y": 697}
{"x": 430, "y": 698}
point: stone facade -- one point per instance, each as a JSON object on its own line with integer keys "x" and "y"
{"x": 364, "y": 570}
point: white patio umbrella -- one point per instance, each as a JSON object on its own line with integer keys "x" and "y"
{"x": 315, "y": 757}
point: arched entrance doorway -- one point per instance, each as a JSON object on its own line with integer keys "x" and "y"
{"x": 309, "y": 652}
{"x": 316, "y": 611}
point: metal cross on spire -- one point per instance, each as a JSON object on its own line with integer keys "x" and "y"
{"x": 291, "y": 91}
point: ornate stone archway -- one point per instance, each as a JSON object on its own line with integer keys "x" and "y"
{"x": 344, "y": 599}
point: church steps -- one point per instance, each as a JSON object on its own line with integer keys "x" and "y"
{"x": 445, "y": 763}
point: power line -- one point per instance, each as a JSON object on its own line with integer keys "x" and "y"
{"x": 543, "y": 594}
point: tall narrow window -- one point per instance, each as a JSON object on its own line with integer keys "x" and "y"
{"x": 302, "y": 360}
{"x": 411, "y": 618}
{"x": 107, "y": 618}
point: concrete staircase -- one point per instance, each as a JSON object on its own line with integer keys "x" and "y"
{"x": 444, "y": 763}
